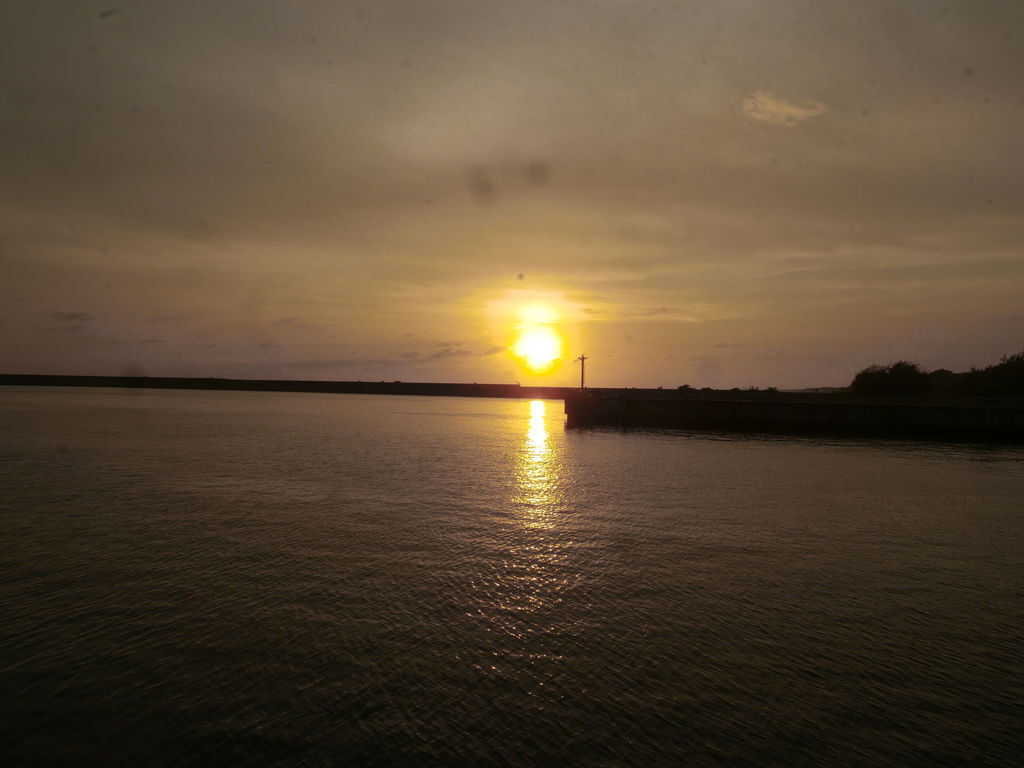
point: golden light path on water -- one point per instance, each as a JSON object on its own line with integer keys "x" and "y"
{"x": 526, "y": 598}
{"x": 534, "y": 472}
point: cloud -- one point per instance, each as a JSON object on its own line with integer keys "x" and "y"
{"x": 767, "y": 108}
{"x": 403, "y": 191}
{"x": 494, "y": 351}
{"x": 638, "y": 312}
{"x": 313, "y": 365}
{"x": 72, "y": 317}
{"x": 163, "y": 319}
{"x": 449, "y": 352}
{"x": 70, "y": 322}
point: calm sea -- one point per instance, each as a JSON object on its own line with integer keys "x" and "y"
{"x": 255, "y": 579}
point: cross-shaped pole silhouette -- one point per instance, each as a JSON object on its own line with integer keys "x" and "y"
{"x": 583, "y": 368}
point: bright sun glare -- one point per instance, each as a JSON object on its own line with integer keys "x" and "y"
{"x": 538, "y": 346}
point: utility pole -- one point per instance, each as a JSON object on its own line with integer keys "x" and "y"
{"x": 583, "y": 368}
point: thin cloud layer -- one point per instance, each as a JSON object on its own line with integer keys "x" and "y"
{"x": 766, "y": 108}
{"x": 314, "y": 182}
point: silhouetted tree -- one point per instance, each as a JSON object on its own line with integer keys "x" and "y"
{"x": 900, "y": 378}
{"x": 907, "y": 378}
{"x": 1005, "y": 379}
{"x": 870, "y": 381}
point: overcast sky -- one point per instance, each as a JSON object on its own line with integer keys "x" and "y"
{"x": 715, "y": 193}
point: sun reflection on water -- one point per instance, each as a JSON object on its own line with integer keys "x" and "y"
{"x": 523, "y": 596}
{"x": 534, "y": 473}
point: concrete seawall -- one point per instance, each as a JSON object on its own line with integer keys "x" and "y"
{"x": 432, "y": 389}
{"x": 736, "y": 411}
{"x": 911, "y": 420}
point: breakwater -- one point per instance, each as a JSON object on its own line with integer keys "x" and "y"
{"x": 808, "y": 415}
{"x": 432, "y": 389}
{"x": 714, "y": 410}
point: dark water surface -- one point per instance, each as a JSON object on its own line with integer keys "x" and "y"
{"x": 294, "y": 579}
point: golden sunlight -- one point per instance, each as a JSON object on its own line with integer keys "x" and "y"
{"x": 537, "y": 436}
{"x": 537, "y": 314}
{"x": 537, "y": 345}
{"x": 535, "y": 328}
{"x": 538, "y": 348}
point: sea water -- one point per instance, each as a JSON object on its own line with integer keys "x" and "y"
{"x": 259, "y": 579}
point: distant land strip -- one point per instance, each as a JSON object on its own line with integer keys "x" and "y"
{"x": 839, "y": 413}
{"x": 434, "y": 389}
{"x": 456, "y": 389}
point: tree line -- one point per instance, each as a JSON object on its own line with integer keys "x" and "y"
{"x": 1005, "y": 378}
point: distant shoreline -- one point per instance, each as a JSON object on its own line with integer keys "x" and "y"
{"x": 512, "y": 391}
{"x": 836, "y": 413}
{"x": 434, "y": 389}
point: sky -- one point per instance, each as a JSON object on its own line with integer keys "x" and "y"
{"x": 729, "y": 194}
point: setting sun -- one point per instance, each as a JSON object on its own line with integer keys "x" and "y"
{"x": 539, "y": 348}
{"x": 535, "y": 328}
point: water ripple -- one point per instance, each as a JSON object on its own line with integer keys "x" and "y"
{"x": 277, "y": 579}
